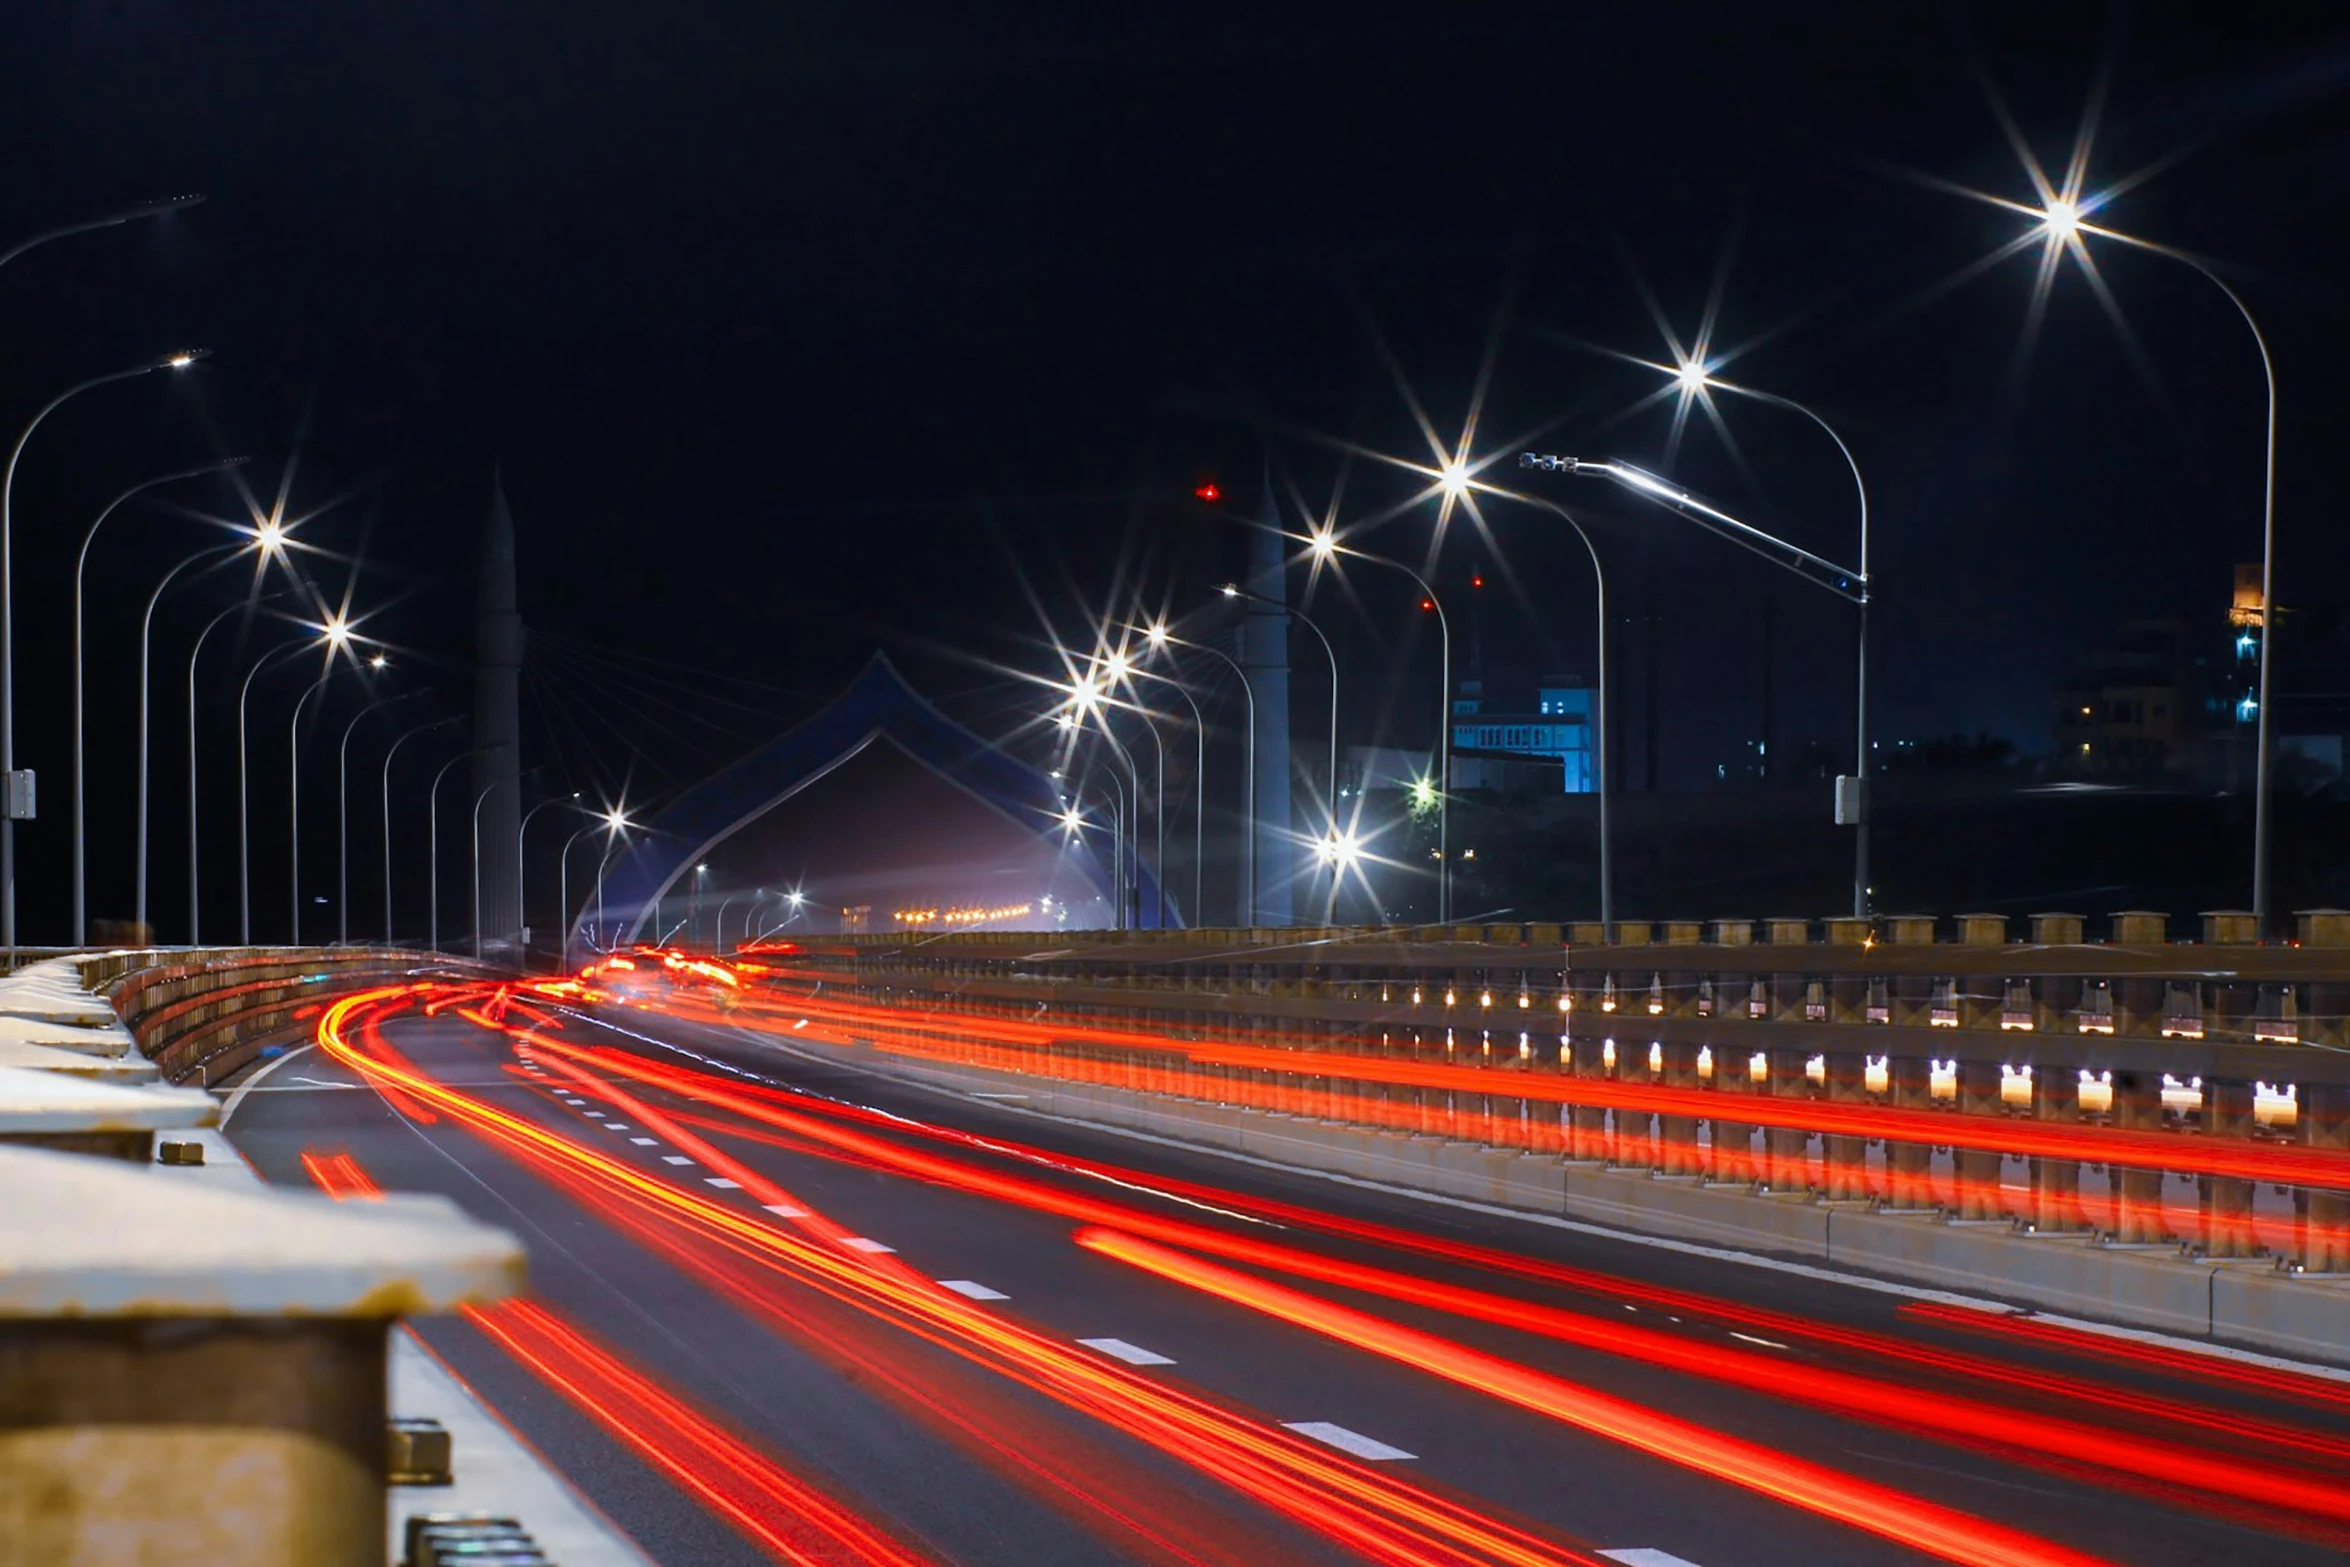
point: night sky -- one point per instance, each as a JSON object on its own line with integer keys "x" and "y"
{"x": 803, "y": 331}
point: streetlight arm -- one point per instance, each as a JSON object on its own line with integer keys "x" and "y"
{"x": 1818, "y": 570}
{"x": 145, "y": 209}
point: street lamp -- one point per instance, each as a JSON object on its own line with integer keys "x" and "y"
{"x": 244, "y": 811}
{"x": 217, "y": 553}
{"x": 1851, "y": 586}
{"x": 433, "y": 809}
{"x": 1160, "y": 637}
{"x": 343, "y": 810}
{"x": 1325, "y": 548}
{"x": 337, "y": 635}
{"x": 17, "y": 802}
{"x": 521, "y": 859}
{"x": 2063, "y": 222}
{"x": 1155, "y": 636}
{"x": 1601, "y": 775}
{"x": 1234, "y": 591}
{"x": 390, "y": 752}
{"x": 616, "y": 823}
{"x": 80, "y": 565}
{"x": 1120, "y": 668}
{"x": 1088, "y": 697}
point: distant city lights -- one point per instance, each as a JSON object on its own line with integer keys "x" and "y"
{"x": 965, "y": 916}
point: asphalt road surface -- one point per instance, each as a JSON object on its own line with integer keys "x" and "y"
{"x": 755, "y": 1232}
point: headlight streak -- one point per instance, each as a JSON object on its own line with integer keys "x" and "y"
{"x": 769, "y": 1505}
{"x": 2088, "y": 1449}
{"x": 1380, "y": 1517}
{"x": 2235, "y": 1375}
{"x": 1974, "y": 1370}
{"x": 1944, "y": 1532}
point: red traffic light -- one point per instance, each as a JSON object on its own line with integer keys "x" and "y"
{"x": 1208, "y": 492}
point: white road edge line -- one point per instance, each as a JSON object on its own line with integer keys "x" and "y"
{"x": 972, "y": 1290}
{"x": 1347, "y": 1441}
{"x": 1132, "y": 1354}
{"x": 1801, "y": 1270}
{"x": 237, "y": 1096}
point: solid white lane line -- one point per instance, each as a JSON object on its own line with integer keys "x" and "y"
{"x": 1767, "y": 1343}
{"x": 1348, "y": 1441}
{"x": 1643, "y": 1556}
{"x": 229, "y": 1109}
{"x": 1132, "y": 1354}
{"x": 784, "y": 1210}
{"x": 864, "y": 1243}
{"x": 722, "y": 1183}
{"x": 973, "y": 1291}
{"x": 646, "y": 1142}
{"x": 675, "y": 1158}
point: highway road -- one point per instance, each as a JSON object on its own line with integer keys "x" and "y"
{"x": 786, "y": 1308}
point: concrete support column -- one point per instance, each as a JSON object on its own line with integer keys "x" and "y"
{"x": 1909, "y": 1165}
{"x": 1677, "y": 1134}
{"x": 2056, "y": 1183}
{"x": 2137, "y": 1107}
{"x": 2226, "y": 1199}
{"x": 1635, "y": 1129}
{"x": 1587, "y": 1124}
{"x": 1733, "y": 1151}
{"x": 1847, "y": 1157}
{"x": 2325, "y": 1216}
{"x": 1978, "y": 1169}
{"x": 1789, "y": 1165}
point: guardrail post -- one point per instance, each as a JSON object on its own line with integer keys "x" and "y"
{"x": 1677, "y": 1134}
{"x": 208, "y": 1387}
{"x": 1909, "y": 1166}
{"x": 2324, "y": 1122}
{"x": 1978, "y": 1168}
{"x": 1787, "y": 1166}
{"x": 2227, "y": 1199}
{"x": 2056, "y": 1183}
{"x": 1847, "y": 1158}
{"x": 2137, "y": 1107}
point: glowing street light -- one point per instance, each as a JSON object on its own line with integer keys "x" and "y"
{"x": 1341, "y": 850}
{"x": 1454, "y": 480}
{"x": 1073, "y": 820}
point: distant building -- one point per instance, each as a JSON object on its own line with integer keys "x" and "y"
{"x": 2135, "y": 706}
{"x": 1509, "y": 742}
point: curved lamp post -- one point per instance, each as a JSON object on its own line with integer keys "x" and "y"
{"x": 8, "y": 814}
{"x": 1161, "y": 638}
{"x": 80, "y": 565}
{"x": 1324, "y": 545}
{"x": 343, "y": 815}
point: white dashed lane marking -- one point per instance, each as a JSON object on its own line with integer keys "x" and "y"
{"x": 594, "y": 1115}
{"x": 722, "y": 1183}
{"x": 864, "y": 1243}
{"x": 1132, "y": 1354}
{"x": 1642, "y": 1556}
{"x": 1767, "y": 1343}
{"x": 967, "y": 1288}
{"x": 675, "y": 1158}
{"x": 1348, "y": 1441}
{"x": 616, "y": 1126}
{"x": 646, "y": 1142}
{"x": 784, "y": 1210}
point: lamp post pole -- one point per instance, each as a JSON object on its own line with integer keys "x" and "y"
{"x": 390, "y": 752}
{"x": 1325, "y": 545}
{"x": 114, "y": 219}
{"x": 244, "y": 793}
{"x": 1199, "y": 775}
{"x": 146, "y": 642}
{"x": 1248, "y": 889}
{"x": 563, "y": 889}
{"x": 1233, "y": 590}
{"x": 343, "y": 818}
{"x": 433, "y": 809}
{"x": 1601, "y": 725}
{"x": 195, "y": 919}
{"x": 80, "y": 566}
{"x": 1851, "y": 586}
{"x": 521, "y": 841}
{"x": 294, "y": 796}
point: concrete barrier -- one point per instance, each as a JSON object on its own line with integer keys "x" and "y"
{"x": 192, "y": 1374}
